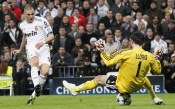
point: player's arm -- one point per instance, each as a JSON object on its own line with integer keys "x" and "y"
{"x": 156, "y": 66}
{"x": 23, "y": 43}
{"x": 155, "y": 63}
{"x": 115, "y": 57}
{"x": 49, "y": 38}
{"x": 48, "y": 30}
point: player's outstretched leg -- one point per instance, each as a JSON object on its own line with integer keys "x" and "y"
{"x": 88, "y": 85}
{"x": 70, "y": 87}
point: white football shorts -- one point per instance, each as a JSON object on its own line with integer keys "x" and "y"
{"x": 43, "y": 53}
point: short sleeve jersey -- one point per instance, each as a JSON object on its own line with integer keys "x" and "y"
{"x": 36, "y": 31}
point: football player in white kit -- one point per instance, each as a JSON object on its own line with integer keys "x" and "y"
{"x": 36, "y": 34}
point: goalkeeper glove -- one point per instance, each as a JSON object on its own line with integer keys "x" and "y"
{"x": 158, "y": 52}
{"x": 100, "y": 45}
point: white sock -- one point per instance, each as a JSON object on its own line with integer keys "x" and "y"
{"x": 34, "y": 94}
{"x": 34, "y": 75}
{"x": 42, "y": 80}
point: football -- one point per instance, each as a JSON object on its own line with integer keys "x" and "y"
{"x": 123, "y": 99}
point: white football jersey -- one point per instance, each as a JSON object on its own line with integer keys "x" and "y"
{"x": 36, "y": 31}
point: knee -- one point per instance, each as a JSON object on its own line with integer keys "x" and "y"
{"x": 98, "y": 79}
{"x": 43, "y": 72}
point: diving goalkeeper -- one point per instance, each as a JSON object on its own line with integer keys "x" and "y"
{"x": 137, "y": 60}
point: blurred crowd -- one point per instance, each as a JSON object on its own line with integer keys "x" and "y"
{"x": 77, "y": 24}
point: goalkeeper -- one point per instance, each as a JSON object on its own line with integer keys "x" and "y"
{"x": 134, "y": 66}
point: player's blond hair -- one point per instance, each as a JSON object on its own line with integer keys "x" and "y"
{"x": 28, "y": 7}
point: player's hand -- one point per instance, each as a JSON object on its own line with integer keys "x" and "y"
{"x": 173, "y": 75}
{"x": 39, "y": 45}
{"x": 16, "y": 52}
{"x": 100, "y": 45}
{"x": 158, "y": 52}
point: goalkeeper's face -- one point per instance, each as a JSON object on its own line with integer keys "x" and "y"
{"x": 29, "y": 14}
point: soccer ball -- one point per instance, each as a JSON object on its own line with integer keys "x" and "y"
{"x": 124, "y": 99}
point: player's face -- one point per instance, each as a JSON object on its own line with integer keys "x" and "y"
{"x": 29, "y": 14}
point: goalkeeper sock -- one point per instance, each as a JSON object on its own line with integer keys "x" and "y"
{"x": 149, "y": 88}
{"x": 34, "y": 76}
{"x": 86, "y": 86}
{"x": 152, "y": 93}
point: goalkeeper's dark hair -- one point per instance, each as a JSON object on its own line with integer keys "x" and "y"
{"x": 138, "y": 38}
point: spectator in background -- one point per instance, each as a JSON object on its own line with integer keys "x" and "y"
{"x": 158, "y": 42}
{"x": 154, "y": 11}
{"x": 140, "y": 19}
{"x": 155, "y": 24}
{"x": 88, "y": 69}
{"x": 78, "y": 45}
{"x": 118, "y": 37}
{"x": 5, "y": 24}
{"x": 86, "y": 8}
{"x": 63, "y": 5}
{"x": 169, "y": 35}
{"x": 108, "y": 20}
{"x": 101, "y": 8}
{"x": 79, "y": 60}
{"x": 74, "y": 33}
{"x": 41, "y": 9}
{"x": 117, "y": 22}
{"x": 77, "y": 18}
{"x": 128, "y": 27}
{"x": 12, "y": 35}
{"x": 16, "y": 10}
{"x": 35, "y": 4}
{"x": 125, "y": 44}
{"x": 118, "y": 7}
{"x": 56, "y": 4}
{"x": 94, "y": 55}
{"x": 63, "y": 40}
{"x": 81, "y": 30}
{"x": 169, "y": 72}
{"x": 148, "y": 38}
{"x": 88, "y": 35}
{"x": 70, "y": 8}
{"x": 93, "y": 3}
{"x": 146, "y": 18}
{"x": 93, "y": 18}
{"x": 101, "y": 30}
{"x": 111, "y": 46}
{"x": 78, "y": 4}
{"x": 173, "y": 14}
{"x": 66, "y": 23}
{"x": 170, "y": 6}
{"x": 52, "y": 9}
{"x": 61, "y": 58}
{"x": 142, "y": 28}
{"x": 58, "y": 18}
{"x": 4, "y": 11}
{"x": 20, "y": 78}
{"x": 134, "y": 9}
{"x": 164, "y": 22}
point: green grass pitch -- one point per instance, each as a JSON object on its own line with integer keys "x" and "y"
{"x": 139, "y": 101}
